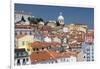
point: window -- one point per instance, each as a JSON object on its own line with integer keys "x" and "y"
{"x": 42, "y": 48}
{"x": 25, "y": 33}
{"x": 92, "y": 56}
{"x": 23, "y": 43}
{"x": 88, "y": 49}
{"x": 56, "y": 61}
{"x": 92, "y": 59}
{"x": 30, "y": 33}
{"x": 33, "y": 49}
{"x": 27, "y": 59}
{"x": 88, "y": 53}
{"x": 20, "y": 32}
{"x": 24, "y": 61}
{"x": 37, "y": 49}
{"x": 18, "y": 62}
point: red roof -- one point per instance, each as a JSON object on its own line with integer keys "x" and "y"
{"x": 46, "y": 55}
{"x": 40, "y": 56}
{"x": 22, "y": 26}
{"x": 39, "y": 44}
{"x": 20, "y": 36}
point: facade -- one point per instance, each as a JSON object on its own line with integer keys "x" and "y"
{"x": 23, "y": 28}
{"x": 21, "y": 57}
{"x": 22, "y": 42}
{"x": 88, "y": 49}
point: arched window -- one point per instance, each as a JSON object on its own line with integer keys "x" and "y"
{"x": 18, "y": 62}
{"x": 24, "y": 61}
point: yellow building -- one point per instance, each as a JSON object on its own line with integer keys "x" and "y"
{"x": 22, "y": 42}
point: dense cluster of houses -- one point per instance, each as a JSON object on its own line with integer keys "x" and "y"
{"x": 47, "y": 42}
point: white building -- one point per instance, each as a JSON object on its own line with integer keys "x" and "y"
{"x": 23, "y": 31}
{"x": 89, "y": 51}
{"x": 62, "y": 60}
{"x": 23, "y": 28}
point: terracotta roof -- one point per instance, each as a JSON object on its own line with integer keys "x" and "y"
{"x": 22, "y": 26}
{"x": 20, "y": 36}
{"x": 39, "y": 56}
{"x": 47, "y": 55}
{"x": 38, "y": 44}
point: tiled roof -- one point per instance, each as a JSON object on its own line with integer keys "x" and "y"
{"x": 20, "y": 36}
{"x": 47, "y": 55}
{"x": 23, "y": 26}
{"x": 38, "y": 44}
{"x": 39, "y": 56}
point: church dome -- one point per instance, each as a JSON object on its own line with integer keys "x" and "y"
{"x": 60, "y": 16}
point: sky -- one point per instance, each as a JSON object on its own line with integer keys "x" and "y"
{"x": 80, "y": 15}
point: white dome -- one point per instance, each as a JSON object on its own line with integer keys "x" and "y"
{"x": 60, "y": 16}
